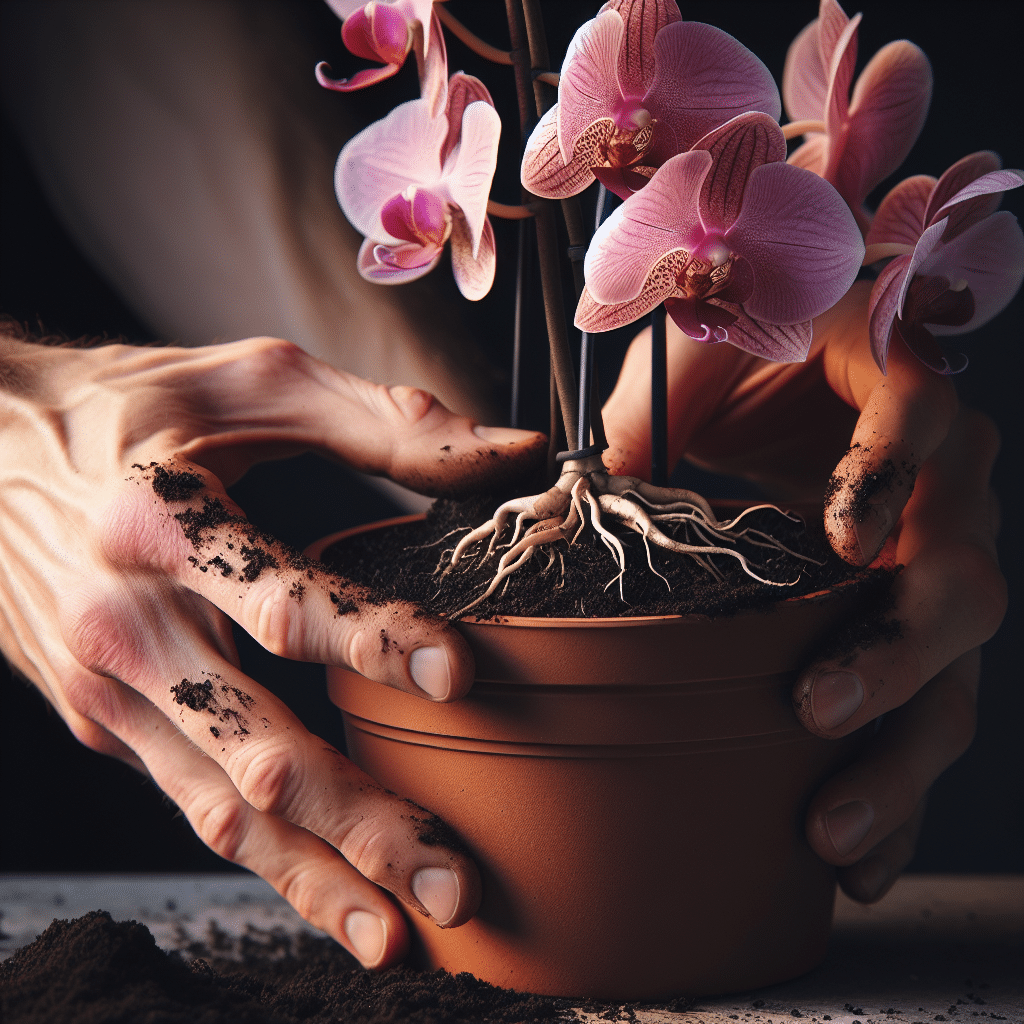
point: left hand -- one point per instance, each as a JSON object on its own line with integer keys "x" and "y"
{"x": 893, "y": 454}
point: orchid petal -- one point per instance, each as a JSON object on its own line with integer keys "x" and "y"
{"x": 832, "y": 23}
{"x": 977, "y": 200}
{"x": 588, "y": 88}
{"x": 386, "y": 158}
{"x": 921, "y": 342}
{"x": 812, "y": 155}
{"x": 989, "y": 256}
{"x": 643, "y": 20}
{"x": 700, "y": 320}
{"x": 371, "y": 269}
{"x": 883, "y": 305}
{"x": 544, "y": 172}
{"x": 462, "y": 90}
{"x": 962, "y": 173}
{"x": 703, "y": 77}
{"x": 804, "y": 78}
{"x": 900, "y": 216}
{"x": 840, "y": 76}
{"x": 801, "y": 240}
{"x": 360, "y": 80}
{"x": 595, "y": 317}
{"x": 640, "y": 233}
{"x": 472, "y": 166}
{"x": 377, "y": 33}
{"x": 420, "y": 218}
{"x": 780, "y": 343}
{"x": 890, "y": 101}
{"x": 737, "y": 149}
{"x": 624, "y": 181}
{"x": 431, "y": 62}
{"x": 345, "y": 8}
{"x": 473, "y": 268}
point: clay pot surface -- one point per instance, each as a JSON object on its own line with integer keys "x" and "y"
{"x": 633, "y": 791}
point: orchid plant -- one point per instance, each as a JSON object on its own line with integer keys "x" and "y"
{"x": 718, "y": 227}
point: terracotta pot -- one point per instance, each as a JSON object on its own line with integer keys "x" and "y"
{"x": 633, "y": 791}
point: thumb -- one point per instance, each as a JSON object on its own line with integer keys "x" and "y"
{"x": 406, "y": 434}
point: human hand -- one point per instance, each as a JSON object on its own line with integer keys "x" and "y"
{"x": 893, "y": 455}
{"x": 124, "y": 561}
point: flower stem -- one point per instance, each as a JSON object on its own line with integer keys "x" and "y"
{"x": 507, "y": 211}
{"x": 526, "y": 30}
{"x": 797, "y": 128}
{"x": 473, "y": 41}
{"x": 659, "y": 398}
{"x": 883, "y": 250}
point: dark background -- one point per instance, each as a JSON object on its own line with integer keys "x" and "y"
{"x": 65, "y": 808}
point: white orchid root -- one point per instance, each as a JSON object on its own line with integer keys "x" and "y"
{"x": 585, "y": 494}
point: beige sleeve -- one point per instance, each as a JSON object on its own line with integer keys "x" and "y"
{"x": 189, "y": 151}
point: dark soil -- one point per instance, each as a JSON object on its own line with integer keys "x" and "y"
{"x": 406, "y": 562}
{"x": 93, "y": 970}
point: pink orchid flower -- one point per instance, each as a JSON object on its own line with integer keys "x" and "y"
{"x": 966, "y": 261}
{"x": 739, "y": 245}
{"x": 411, "y": 183}
{"x": 386, "y": 30}
{"x": 866, "y": 138}
{"x": 639, "y": 86}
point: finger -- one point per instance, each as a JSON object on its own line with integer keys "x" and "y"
{"x": 175, "y": 519}
{"x": 904, "y": 417}
{"x": 269, "y": 398}
{"x": 328, "y": 892}
{"x": 281, "y": 785}
{"x": 857, "y": 811}
{"x": 696, "y": 375}
{"x": 873, "y": 875}
{"x": 949, "y": 597}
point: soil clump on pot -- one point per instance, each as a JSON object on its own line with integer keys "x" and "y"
{"x": 93, "y": 969}
{"x": 580, "y": 580}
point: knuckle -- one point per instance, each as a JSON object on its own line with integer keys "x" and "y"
{"x": 97, "y": 637}
{"x": 367, "y": 845}
{"x": 271, "y": 781}
{"x": 222, "y": 825}
{"x": 303, "y": 891}
{"x": 276, "y": 618}
{"x": 268, "y": 358}
{"x": 133, "y": 535}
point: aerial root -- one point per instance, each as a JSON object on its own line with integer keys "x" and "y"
{"x": 585, "y": 495}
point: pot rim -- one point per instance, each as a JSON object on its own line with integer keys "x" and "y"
{"x": 316, "y": 549}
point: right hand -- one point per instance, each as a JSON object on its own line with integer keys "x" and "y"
{"x": 124, "y": 561}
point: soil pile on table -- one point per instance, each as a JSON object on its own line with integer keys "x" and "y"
{"x": 579, "y": 580}
{"x": 93, "y": 970}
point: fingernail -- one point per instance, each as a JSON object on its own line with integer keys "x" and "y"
{"x": 367, "y": 933}
{"x": 428, "y": 667}
{"x": 872, "y": 876}
{"x": 438, "y": 890}
{"x": 835, "y": 698}
{"x": 848, "y": 824}
{"x": 503, "y": 435}
{"x": 871, "y": 533}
